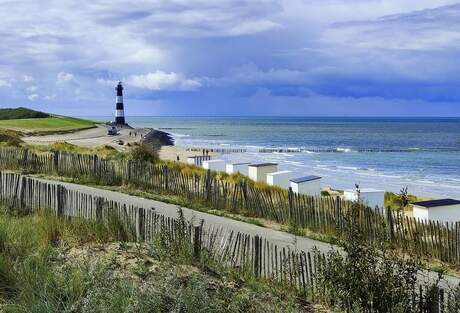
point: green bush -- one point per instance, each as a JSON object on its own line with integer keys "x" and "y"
{"x": 369, "y": 277}
{"x": 10, "y": 137}
{"x": 144, "y": 153}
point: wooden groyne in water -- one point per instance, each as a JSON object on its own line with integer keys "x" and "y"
{"x": 345, "y": 150}
{"x": 217, "y": 150}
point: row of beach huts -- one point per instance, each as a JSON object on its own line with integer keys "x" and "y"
{"x": 269, "y": 173}
{"x": 443, "y": 210}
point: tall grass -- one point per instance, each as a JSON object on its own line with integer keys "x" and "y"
{"x": 36, "y": 275}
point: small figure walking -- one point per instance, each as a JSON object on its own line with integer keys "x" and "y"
{"x": 178, "y": 158}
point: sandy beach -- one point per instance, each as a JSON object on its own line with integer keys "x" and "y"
{"x": 98, "y": 136}
{"x": 171, "y": 153}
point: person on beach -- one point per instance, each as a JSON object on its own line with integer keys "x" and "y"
{"x": 178, "y": 158}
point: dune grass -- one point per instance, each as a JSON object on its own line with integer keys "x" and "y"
{"x": 49, "y": 124}
{"x": 48, "y": 264}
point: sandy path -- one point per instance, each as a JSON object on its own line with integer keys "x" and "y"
{"x": 91, "y": 137}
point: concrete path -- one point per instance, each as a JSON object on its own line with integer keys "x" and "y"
{"x": 282, "y": 239}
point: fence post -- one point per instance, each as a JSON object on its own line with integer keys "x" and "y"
{"x": 291, "y": 203}
{"x": 56, "y": 161}
{"x": 60, "y": 200}
{"x": 338, "y": 209}
{"x": 208, "y": 184}
{"x": 197, "y": 242}
{"x": 99, "y": 208}
{"x": 166, "y": 178}
{"x": 141, "y": 224}
{"x": 257, "y": 254}
{"x": 390, "y": 224}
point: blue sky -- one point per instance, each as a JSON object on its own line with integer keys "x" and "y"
{"x": 233, "y": 57}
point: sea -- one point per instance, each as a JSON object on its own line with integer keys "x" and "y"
{"x": 422, "y": 154}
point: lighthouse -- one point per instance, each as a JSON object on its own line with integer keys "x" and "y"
{"x": 119, "y": 111}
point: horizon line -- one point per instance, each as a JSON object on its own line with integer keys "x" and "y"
{"x": 283, "y": 116}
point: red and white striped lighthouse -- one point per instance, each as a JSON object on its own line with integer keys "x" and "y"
{"x": 119, "y": 112}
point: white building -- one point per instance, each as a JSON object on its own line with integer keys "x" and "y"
{"x": 308, "y": 185}
{"x": 234, "y": 168}
{"x": 214, "y": 165}
{"x": 442, "y": 210}
{"x": 368, "y": 196}
{"x": 198, "y": 160}
{"x": 258, "y": 172}
{"x": 280, "y": 179}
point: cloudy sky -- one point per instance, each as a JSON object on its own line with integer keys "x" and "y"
{"x": 232, "y": 57}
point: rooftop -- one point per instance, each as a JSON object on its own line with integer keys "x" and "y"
{"x": 436, "y": 203}
{"x": 305, "y": 179}
{"x": 280, "y": 173}
{"x": 241, "y": 163}
{"x": 263, "y": 164}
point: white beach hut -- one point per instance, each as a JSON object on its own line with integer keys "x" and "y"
{"x": 233, "y": 168}
{"x": 280, "y": 178}
{"x": 442, "y": 210}
{"x": 258, "y": 172}
{"x": 307, "y": 185}
{"x": 214, "y": 165}
{"x": 370, "y": 197}
{"x": 198, "y": 160}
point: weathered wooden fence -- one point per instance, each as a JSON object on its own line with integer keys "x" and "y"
{"x": 324, "y": 215}
{"x": 261, "y": 257}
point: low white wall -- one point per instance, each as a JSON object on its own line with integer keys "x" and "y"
{"x": 311, "y": 187}
{"x": 259, "y": 173}
{"x": 448, "y": 213}
{"x": 420, "y": 212}
{"x": 214, "y": 165}
{"x": 237, "y": 168}
{"x": 280, "y": 179}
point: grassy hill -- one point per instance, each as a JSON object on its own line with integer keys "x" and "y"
{"x": 21, "y": 113}
{"x": 49, "y": 124}
{"x": 24, "y": 120}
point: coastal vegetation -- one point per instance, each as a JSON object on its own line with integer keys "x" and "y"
{"x": 67, "y": 259}
{"x": 21, "y": 113}
{"x": 46, "y": 125}
{"x": 319, "y": 217}
{"x": 10, "y": 137}
{"x": 27, "y": 121}
{"x": 48, "y": 264}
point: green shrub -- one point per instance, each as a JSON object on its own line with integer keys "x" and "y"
{"x": 144, "y": 153}
{"x": 10, "y": 137}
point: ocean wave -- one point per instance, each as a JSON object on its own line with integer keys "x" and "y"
{"x": 179, "y": 135}
{"x": 344, "y": 150}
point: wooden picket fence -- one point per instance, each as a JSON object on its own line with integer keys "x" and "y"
{"x": 323, "y": 215}
{"x": 252, "y": 255}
